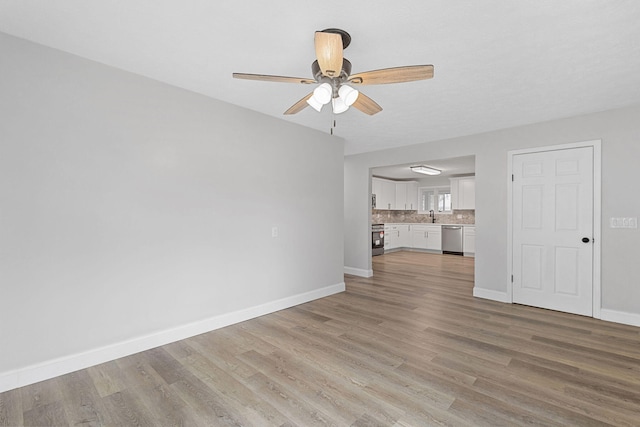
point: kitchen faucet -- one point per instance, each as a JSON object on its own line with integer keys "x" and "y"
{"x": 432, "y": 214}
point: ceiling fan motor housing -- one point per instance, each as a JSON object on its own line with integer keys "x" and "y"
{"x": 335, "y": 82}
{"x": 346, "y": 38}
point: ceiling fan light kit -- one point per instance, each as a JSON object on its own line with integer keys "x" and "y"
{"x": 349, "y": 94}
{"x": 425, "y": 170}
{"x": 339, "y": 106}
{"x": 315, "y": 104}
{"x": 323, "y": 93}
{"x": 332, "y": 71}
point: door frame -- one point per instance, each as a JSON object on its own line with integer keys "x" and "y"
{"x": 597, "y": 214}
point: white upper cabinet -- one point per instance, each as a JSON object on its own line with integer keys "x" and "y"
{"x": 412, "y": 196}
{"x": 385, "y": 192}
{"x": 463, "y": 193}
{"x": 388, "y": 194}
{"x": 406, "y": 196}
{"x": 401, "y": 196}
{"x": 395, "y": 195}
{"x": 376, "y": 191}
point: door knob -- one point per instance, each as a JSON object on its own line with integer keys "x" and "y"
{"x": 585, "y": 240}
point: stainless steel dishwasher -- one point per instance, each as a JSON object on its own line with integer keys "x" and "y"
{"x": 452, "y": 239}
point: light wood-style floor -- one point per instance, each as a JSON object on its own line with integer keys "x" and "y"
{"x": 408, "y": 347}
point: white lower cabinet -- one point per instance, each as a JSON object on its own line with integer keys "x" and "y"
{"x": 418, "y": 237}
{"x": 397, "y": 236}
{"x": 426, "y": 237}
{"x": 469, "y": 241}
{"x": 434, "y": 238}
{"x": 388, "y": 241}
{"x": 391, "y": 237}
{"x": 404, "y": 239}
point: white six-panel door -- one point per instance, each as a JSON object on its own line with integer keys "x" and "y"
{"x": 552, "y": 219}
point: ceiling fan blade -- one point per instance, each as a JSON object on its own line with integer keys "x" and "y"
{"x": 299, "y": 106}
{"x": 393, "y": 75}
{"x": 366, "y": 105}
{"x": 329, "y": 53}
{"x": 268, "y": 78}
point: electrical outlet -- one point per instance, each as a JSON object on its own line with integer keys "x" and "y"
{"x": 274, "y": 231}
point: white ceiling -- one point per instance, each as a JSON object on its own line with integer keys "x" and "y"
{"x": 458, "y": 166}
{"x": 498, "y": 63}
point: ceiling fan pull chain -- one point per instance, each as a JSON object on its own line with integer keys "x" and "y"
{"x": 333, "y": 124}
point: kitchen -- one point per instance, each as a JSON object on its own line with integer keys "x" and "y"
{"x": 426, "y": 206}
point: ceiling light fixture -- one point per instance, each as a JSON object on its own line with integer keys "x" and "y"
{"x": 348, "y": 94}
{"x": 425, "y": 170}
{"x": 315, "y": 104}
{"x": 346, "y": 97}
{"x": 331, "y": 67}
{"x": 323, "y": 94}
{"x": 339, "y": 106}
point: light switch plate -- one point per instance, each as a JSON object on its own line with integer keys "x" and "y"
{"x": 623, "y": 222}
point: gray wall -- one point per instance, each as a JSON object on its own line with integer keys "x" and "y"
{"x": 619, "y": 131}
{"x": 129, "y": 207}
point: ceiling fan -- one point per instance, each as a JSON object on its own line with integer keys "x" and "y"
{"x": 331, "y": 71}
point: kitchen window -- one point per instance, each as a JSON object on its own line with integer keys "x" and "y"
{"x": 437, "y": 199}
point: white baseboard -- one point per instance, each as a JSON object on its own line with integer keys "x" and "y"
{"x": 491, "y": 294}
{"x": 632, "y": 319}
{"x": 358, "y": 271}
{"x": 64, "y": 365}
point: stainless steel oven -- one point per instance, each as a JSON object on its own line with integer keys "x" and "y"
{"x": 377, "y": 239}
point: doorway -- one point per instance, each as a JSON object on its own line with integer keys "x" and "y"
{"x": 554, "y": 225}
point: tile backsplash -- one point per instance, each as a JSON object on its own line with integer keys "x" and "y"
{"x": 385, "y": 216}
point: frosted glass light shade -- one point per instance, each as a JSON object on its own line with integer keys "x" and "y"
{"x": 313, "y": 102}
{"x": 339, "y": 105}
{"x": 323, "y": 93}
{"x": 348, "y": 94}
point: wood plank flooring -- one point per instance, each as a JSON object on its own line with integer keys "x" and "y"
{"x": 407, "y": 347}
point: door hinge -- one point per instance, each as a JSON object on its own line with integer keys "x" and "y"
{"x": 512, "y": 278}
{"x": 512, "y": 178}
